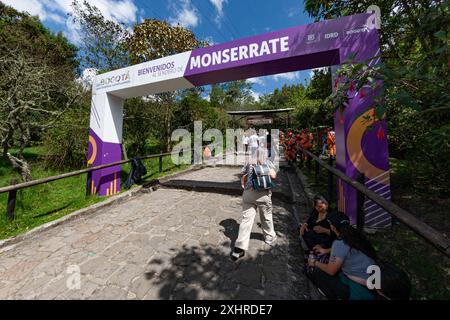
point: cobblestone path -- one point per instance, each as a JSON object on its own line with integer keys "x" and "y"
{"x": 166, "y": 244}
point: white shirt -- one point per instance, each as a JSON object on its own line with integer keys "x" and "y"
{"x": 245, "y": 140}
{"x": 262, "y": 140}
{"x": 253, "y": 141}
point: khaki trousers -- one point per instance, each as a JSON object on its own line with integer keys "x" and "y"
{"x": 251, "y": 202}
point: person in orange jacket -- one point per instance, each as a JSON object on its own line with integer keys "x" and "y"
{"x": 331, "y": 142}
{"x": 282, "y": 138}
{"x": 305, "y": 143}
{"x": 289, "y": 148}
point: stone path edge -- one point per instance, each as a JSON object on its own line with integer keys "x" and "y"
{"x": 9, "y": 243}
{"x": 313, "y": 290}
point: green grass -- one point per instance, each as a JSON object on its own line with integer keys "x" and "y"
{"x": 44, "y": 203}
{"x": 428, "y": 268}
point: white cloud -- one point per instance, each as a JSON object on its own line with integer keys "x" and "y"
{"x": 311, "y": 72}
{"x": 33, "y": 7}
{"x": 293, "y": 12}
{"x": 123, "y": 11}
{"x": 286, "y": 76}
{"x": 187, "y": 15}
{"x": 87, "y": 77}
{"x": 117, "y": 10}
{"x": 258, "y": 81}
{"x": 73, "y": 31}
{"x": 210, "y": 40}
{"x": 255, "y": 95}
{"x": 218, "y": 5}
{"x": 55, "y": 18}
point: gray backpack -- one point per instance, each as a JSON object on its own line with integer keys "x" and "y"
{"x": 261, "y": 177}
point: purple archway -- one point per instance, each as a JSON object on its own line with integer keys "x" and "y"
{"x": 326, "y": 43}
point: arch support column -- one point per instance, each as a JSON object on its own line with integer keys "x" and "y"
{"x": 105, "y": 139}
{"x": 361, "y": 140}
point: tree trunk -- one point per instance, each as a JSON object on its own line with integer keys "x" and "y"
{"x": 124, "y": 150}
{"x": 168, "y": 132}
{"x": 167, "y": 128}
{"x": 21, "y": 165}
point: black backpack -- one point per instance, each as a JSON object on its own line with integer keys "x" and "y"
{"x": 137, "y": 171}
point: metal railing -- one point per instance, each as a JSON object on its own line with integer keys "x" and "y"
{"x": 14, "y": 187}
{"x": 424, "y": 230}
{"x": 418, "y": 226}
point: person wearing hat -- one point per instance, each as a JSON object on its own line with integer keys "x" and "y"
{"x": 345, "y": 275}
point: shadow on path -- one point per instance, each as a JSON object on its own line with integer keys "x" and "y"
{"x": 205, "y": 271}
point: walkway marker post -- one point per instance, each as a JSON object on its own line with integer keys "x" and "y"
{"x": 330, "y": 181}
{"x": 11, "y": 201}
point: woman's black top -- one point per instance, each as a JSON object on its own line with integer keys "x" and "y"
{"x": 312, "y": 221}
{"x": 313, "y": 238}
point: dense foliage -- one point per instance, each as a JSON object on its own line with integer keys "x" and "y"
{"x": 415, "y": 35}
{"x": 37, "y": 70}
{"x": 414, "y": 70}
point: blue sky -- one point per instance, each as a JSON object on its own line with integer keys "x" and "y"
{"x": 217, "y": 21}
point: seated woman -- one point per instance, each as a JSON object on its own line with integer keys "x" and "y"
{"x": 317, "y": 231}
{"x": 345, "y": 275}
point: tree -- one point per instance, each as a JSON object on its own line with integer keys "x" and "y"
{"x": 153, "y": 39}
{"x": 140, "y": 120}
{"x": 27, "y": 96}
{"x": 193, "y": 107}
{"x": 414, "y": 38}
{"x": 320, "y": 85}
{"x": 102, "y": 41}
{"x": 20, "y": 32}
{"x": 65, "y": 141}
{"x": 36, "y": 82}
{"x": 217, "y": 96}
{"x": 238, "y": 95}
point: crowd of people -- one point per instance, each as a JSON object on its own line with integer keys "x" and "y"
{"x": 294, "y": 140}
{"x": 252, "y": 139}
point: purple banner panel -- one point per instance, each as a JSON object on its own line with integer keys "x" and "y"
{"x": 106, "y": 181}
{"x": 362, "y": 147}
{"x": 319, "y": 44}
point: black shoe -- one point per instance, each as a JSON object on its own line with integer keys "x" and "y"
{"x": 237, "y": 254}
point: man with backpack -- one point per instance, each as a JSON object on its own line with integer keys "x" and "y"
{"x": 257, "y": 178}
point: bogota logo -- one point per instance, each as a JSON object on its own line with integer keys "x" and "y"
{"x": 114, "y": 80}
